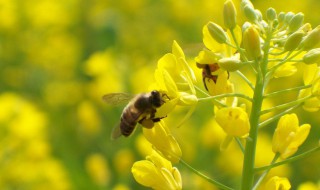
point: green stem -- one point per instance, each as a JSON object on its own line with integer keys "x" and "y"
{"x": 245, "y": 79}
{"x": 225, "y": 95}
{"x": 240, "y": 144}
{"x": 285, "y": 105}
{"x": 294, "y": 158}
{"x": 287, "y": 90}
{"x": 270, "y": 120}
{"x": 250, "y": 150}
{"x": 275, "y": 158}
{"x": 215, "y": 101}
{"x": 238, "y": 46}
{"x": 218, "y": 184}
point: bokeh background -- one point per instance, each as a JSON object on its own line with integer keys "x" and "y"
{"x": 57, "y": 59}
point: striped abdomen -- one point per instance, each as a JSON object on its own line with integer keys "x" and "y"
{"x": 128, "y": 120}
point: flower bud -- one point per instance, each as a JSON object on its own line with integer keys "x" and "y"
{"x": 312, "y": 39}
{"x": 250, "y": 13}
{"x": 312, "y": 56}
{"x": 230, "y": 64}
{"x": 288, "y": 17}
{"x": 245, "y": 26}
{"x": 271, "y": 14}
{"x": 306, "y": 28}
{"x": 258, "y": 14}
{"x": 296, "y": 22}
{"x": 217, "y": 32}
{"x": 245, "y": 3}
{"x": 293, "y": 41}
{"x": 281, "y": 17}
{"x": 229, "y": 15}
{"x": 251, "y": 43}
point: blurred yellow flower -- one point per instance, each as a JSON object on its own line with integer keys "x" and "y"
{"x": 163, "y": 141}
{"x": 120, "y": 187}
{"x": 8, "y": 15}
{"x": 288, "y": 136}
{"x": 88, "y": 118}
{"x": 308, "y": 186}
{"x": 234, "y": 121}
{"x": 97, "y": 167}
{"x": 123, "y": 160}
{"x": 25, "y": 147}
{"x": 101, "y": 67}
{"x": 157, "y": 173}
{"x": 277, "y": 183}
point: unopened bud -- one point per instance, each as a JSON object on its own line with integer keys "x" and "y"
{"x": 296, "y": 22}
{"x": 258, "y": 14}
{"x": 250, "y": 13}
{"x": 229, "y": 15}
{"x": 288, "y": 17}
{"x": 281, "y": 17}
{"x": 306, "y": 28}
{"x": 217, "y": 32}
{"x": 312, "y": 39}
{"x": 312, "y": 56}
{"x": 230, "y": 64}
{"x": 245, "y": 26}
{"x": 271, "y": 14}
{"x": 251, "y": 43}
{"x": 293, "y": 41}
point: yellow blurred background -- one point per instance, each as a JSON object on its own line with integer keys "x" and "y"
{"x": 57, "y": 59}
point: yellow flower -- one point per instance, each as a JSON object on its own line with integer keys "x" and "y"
{"x": 221, "y": 86}
{"x": 234, "y": 121}
{"x": 97, "y": 167}
{"x": 215, "y": 78}
{"x": 288, "y": 136}
{"x": 311, "y": 76}
{"x": 157, "y": 173}
{"x": 309, "y": 186}
{"x": 174, "y": 78}
{"x": 277, "y": 183}
{"x": 161, "y": 138}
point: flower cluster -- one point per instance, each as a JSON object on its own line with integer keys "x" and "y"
{"x": 174, "y": 78}
{"x": 264, "y": 49}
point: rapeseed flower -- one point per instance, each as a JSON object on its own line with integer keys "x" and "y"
{"x": 288, "y": 136}
{"x": 311, "y": 76}
{"x": 277, "y": 183}
{"x": 234, "y": 121}
{"x": 174, "y": 78}
{"x": 157, "y": 173}
{"x": 163, "y": 141}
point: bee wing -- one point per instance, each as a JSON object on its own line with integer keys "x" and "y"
{"x": 116, "y": 132}
{"x": 115, "y": 99}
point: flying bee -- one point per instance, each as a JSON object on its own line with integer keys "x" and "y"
{"x": 140, "y": 109}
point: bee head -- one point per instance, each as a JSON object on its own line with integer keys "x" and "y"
{"x": 155, "y": 98}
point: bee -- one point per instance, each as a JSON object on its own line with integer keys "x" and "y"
{"x": 140, "y": 109}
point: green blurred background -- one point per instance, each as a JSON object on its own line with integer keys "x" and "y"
{"x": 57, "y": 59}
